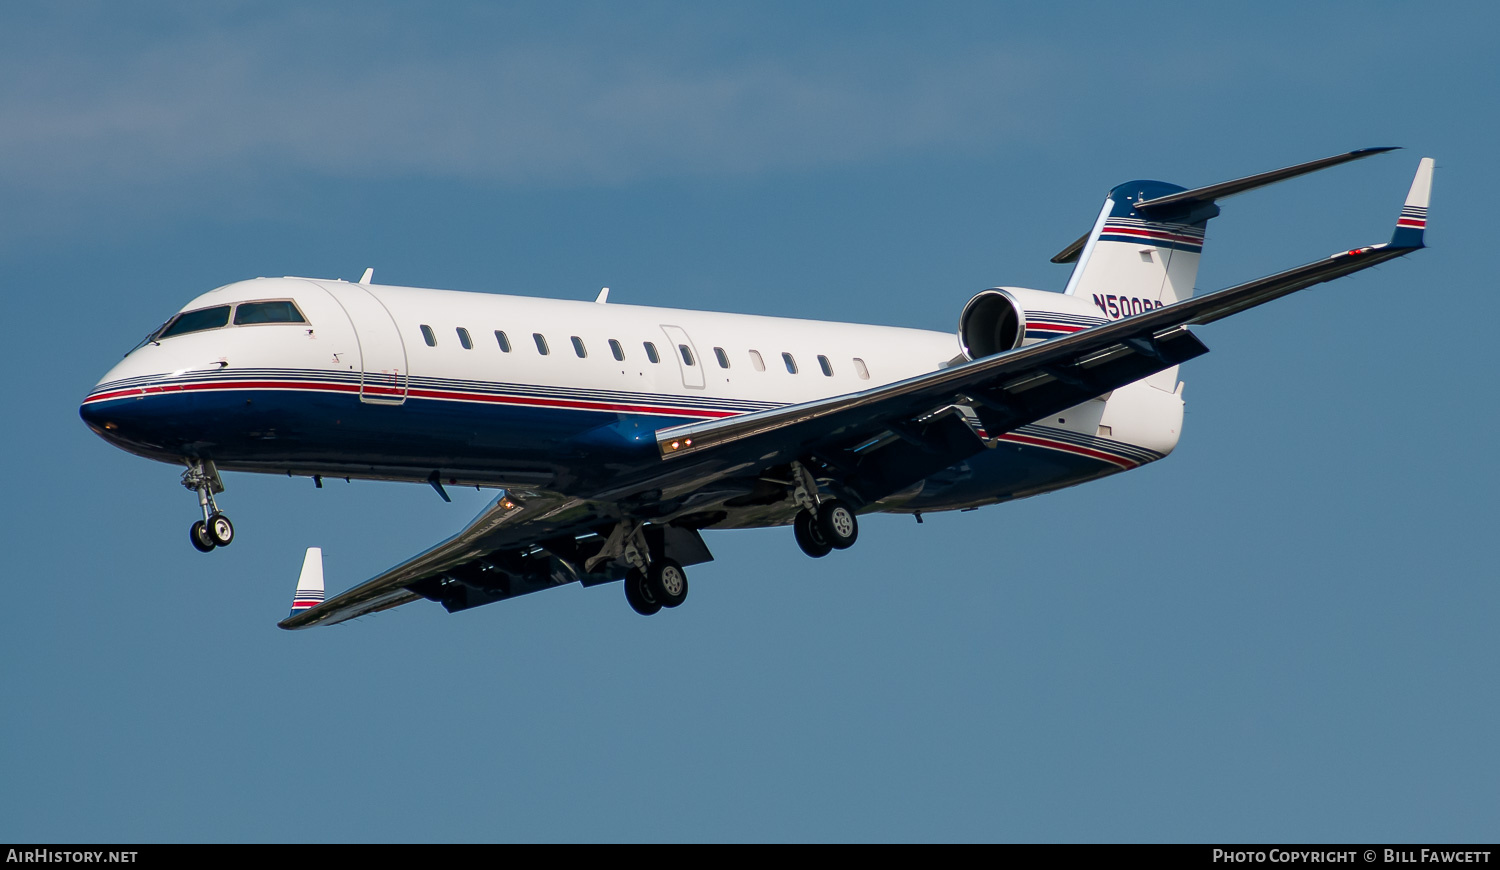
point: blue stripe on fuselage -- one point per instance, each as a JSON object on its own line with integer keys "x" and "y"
{"x": 304, "y": 430}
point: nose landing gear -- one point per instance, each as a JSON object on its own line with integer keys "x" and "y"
{"x": 215, "y": 529}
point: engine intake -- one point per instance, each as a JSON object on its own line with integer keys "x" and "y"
{"x": 991, "y": 323}
{"x": 1005, "y": 318}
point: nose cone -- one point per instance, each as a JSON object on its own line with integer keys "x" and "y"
{"x": 120, "y": 421}
{"x": 93, "y": 418}
{"x": 118, "y": 411}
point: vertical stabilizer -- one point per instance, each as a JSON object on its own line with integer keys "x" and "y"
{"x": 1134, "y": 262}
{"x": 309, "y": 583}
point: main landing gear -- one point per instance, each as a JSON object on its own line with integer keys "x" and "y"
{"x": 653, "y": 581}
{"x": 824, "y": 524}
{"x": 662, "y": 584}
{"x": 215, "y": 529}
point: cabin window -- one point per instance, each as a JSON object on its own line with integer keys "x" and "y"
{"x": 756, "y": 361}
{"x": 541, "y": 343}
{"x": 429, "y": 336}
{"x": 197, "y": 321}
{"x": 859, "y": 368}
{"x": 722, "y": 357}
{"x": 825, "y": 365}
{"x": 614, "y": 348}
{"x": 687, "y": 355}
{"x": 651, "y": 353}
{"x": 578, "y": 347}
{"x": 791, "y": 364}
{"x": 463, "y": 339}
{"x": 280, "y": 311}
{"x": 503, "y": 340}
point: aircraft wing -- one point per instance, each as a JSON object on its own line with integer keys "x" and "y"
{"x": 511, "y": 520}
{"x": 881, "y": 440}
{"x": 874, "y": 442}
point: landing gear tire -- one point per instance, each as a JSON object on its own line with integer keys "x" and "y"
{"x": 809, "y": 536}
{"x": 668, "y": 583}
{"x": 638, "y": 593}
{"x": 221, "y": 530}
{"x": 201, "y": 538}
{"x": 838, "y": 524}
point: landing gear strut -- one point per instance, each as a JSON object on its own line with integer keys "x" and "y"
{"x": 824, "y": 524}
{"x": 215, "y": 529}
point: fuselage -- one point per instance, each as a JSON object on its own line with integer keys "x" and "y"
{"x": 339, "y": 379}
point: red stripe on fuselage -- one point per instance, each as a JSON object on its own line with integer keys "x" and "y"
{"x": 441, "y": 395}
{"x": 1069, "y": 448}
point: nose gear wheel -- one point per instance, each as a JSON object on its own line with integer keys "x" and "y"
{"x": 215, "y": 529}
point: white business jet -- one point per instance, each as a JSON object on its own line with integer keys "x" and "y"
{"x": 615, "y": 435}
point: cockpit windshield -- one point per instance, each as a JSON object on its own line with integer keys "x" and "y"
{"x": 245, "y": 314}
{"x": 280, "y": 311}
{"x": 196, "y": 321}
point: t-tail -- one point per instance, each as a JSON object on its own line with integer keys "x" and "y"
{"x": 1143, "y": 251}
{"x": 310, "y": 583}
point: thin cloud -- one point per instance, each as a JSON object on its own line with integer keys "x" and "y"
{"x": 213, "y": 101}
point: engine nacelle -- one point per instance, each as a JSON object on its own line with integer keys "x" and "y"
{"x": 1005, "y": 318}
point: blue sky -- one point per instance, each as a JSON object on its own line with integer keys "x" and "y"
{"x": 1285, "y": 631}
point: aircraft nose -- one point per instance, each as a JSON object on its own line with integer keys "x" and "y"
{"x": 102, "y": 420}
{"x": 127, "y": 422}
{"x": 92, "y": 418}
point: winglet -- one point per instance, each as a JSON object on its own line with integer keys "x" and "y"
{"x": 1413, "y": 221}
{"x": 310, "y": 583}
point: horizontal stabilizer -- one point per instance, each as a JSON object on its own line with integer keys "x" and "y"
{"x": 1183, "y": 202}
{"x": 1188, "y": 198}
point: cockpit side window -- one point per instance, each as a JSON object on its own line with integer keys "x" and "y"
{"x": 196, "y": 321}
{"x": 279, "y": 311}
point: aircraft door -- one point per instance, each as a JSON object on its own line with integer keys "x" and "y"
{"x": 686, "y": 354}
{"x": 383, "y": 372}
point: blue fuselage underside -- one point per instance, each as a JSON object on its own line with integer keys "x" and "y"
{"x": 568, "y": 450}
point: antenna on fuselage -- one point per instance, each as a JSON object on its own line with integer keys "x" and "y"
{"x": 603, "y": 296}
{"x": 369, "y": 274}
